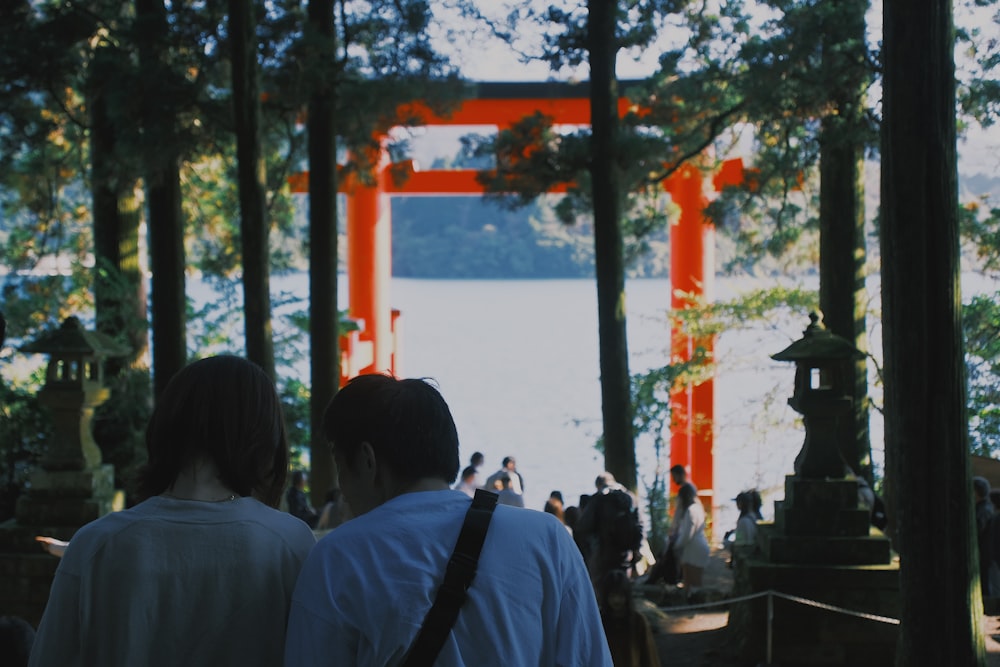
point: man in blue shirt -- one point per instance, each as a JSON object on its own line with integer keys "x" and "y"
{"x": 366, "y": 587}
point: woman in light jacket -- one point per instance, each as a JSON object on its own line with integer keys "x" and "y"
{"x": 691, "y": 546}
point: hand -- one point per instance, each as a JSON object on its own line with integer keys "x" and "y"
{"x": 53, "y": 546}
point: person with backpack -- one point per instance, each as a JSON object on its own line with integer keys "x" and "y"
{"x": 609, "y": 531}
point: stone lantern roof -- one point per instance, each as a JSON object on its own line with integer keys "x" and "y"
{"x": 818, "y": 343}
{"x": 72, "y": 339}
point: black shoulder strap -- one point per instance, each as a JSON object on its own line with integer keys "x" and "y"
{"x": 458, "y": 577}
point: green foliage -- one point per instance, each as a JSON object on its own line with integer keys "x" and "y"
{"x": 977, "y": 57}
{"x": 119, "y": 425}
{"x": 980, "y": 229}
{"x": 651, "y": 420}
{"x": 25, "y": 427}
{"x": 759, "y": 305}
{"x": 981, "y": 322}
{"x": 46, "y": 242}
{"x": 295, "y": 397}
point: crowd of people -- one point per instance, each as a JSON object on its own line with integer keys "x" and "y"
{"x": 219, "y": 563}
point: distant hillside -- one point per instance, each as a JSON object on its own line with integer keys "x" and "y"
{"x": 468, "y": 237}
{"x": 974, "y": 186}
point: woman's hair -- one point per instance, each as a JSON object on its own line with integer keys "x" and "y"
{"x": 224, "y": 409}
{"x": 406, "y": 422}
{"x": 554, "y": 506}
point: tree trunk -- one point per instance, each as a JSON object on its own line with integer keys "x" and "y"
{"x": 323, "y": 310}
{"x": 927, "y": 451}
{"x": 251, "y": 184}
{"x": 616, "y": 399}
{"x": 119, "y": 287}
{"x": 168, "y": 300}
{"x": 842, "y": 294}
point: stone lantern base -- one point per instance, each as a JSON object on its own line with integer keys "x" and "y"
{"x": 57, "y": 504}
{"x": 67, "y": 497}
{"x": 821, "y": 550}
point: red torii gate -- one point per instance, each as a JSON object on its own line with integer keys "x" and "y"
{"x": 369, "y": 261}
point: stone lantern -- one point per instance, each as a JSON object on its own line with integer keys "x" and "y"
{"x": 823, "y": 395}
{"x": 72, "y": 485}
{"x": 835, "y": 571}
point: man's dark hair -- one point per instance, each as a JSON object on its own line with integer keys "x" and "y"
{"x": 226, "y": 409}
{"x": 506, "y": 460}
{"x": 406, "y": 422}
{"x": 678, "y": 470}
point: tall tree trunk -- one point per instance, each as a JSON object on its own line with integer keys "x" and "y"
{"x": 119, "y": 287}
{"x": 251, "y": 182}
{"x": 616, "y": 399}
{"x": 168, "y": 300}
{"x": 842, "y": 294}
{"x": 324, "y": 357}
{"x": 926, "y": 432}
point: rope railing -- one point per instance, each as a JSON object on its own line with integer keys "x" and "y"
{"x": 771, "y": 594}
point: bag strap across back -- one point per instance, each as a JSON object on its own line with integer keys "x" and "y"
{"x": 458, "y": 577}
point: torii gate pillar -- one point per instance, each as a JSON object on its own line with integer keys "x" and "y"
{"x": 692, "y": 276}
{"x": 369, "y": 271}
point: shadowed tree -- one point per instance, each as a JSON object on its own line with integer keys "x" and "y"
{"x": 163, "y": 195}
{"x": 609, "y": 263}
{"x": 254, "y": 226}
{"x": 926, "y": 432}
{"x": 119, "y": 286}
{"x": 324, "y": 362}
{"x": 352, "y": 66}
{"x": 842, "y": 141}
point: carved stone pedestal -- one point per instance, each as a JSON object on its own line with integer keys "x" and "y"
{"x": 58, "y": 503}
{"x": 821, "y": 550}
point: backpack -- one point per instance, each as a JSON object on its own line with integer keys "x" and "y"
{"x": 624, "y": 526}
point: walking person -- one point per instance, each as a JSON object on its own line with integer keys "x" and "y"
{"x": 508, "y": 467}
{"x": 691, "y": 545}
{"x": 371, "y": 592}
{"x": 200, "y": 573}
